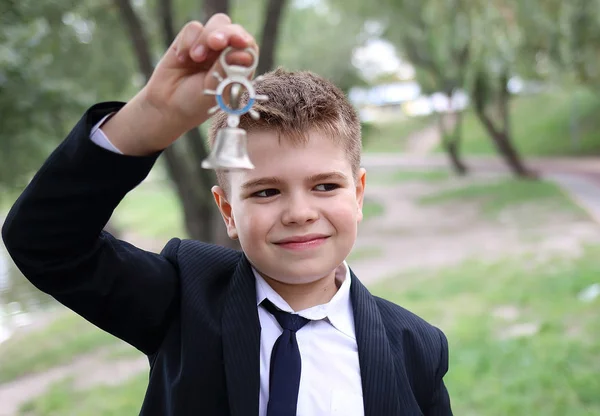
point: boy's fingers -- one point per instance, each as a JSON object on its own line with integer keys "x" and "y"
{"x": 199, "y": 50}
{"x": 230, "y": 35}
{"x": 203, "y": 43}
{"x": 217, "y": 36}
{"x": 187, "y": 38}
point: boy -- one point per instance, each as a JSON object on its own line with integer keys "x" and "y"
{"x": 218, "y": 325}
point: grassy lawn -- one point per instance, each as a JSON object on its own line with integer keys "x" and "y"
{"x": 63, "y": 399}
{"x": 495, "y": 197}
{"x": 391, "y": 136}
{"x": 541, "y": 126}
{"x": 553, "y": 372}
{"x": 153, "y": 210}
{"x": 57, "y": 343}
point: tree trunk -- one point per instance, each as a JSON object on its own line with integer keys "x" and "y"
{"x": 211, "y": 7}
{"x": 501, "y": 136}
{"x": 270, "y": 33}
{"x": 453, "y": 150}
{"x": 451, "y": 138}
{"x": 511, "y": 156}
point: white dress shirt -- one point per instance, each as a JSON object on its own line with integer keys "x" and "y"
{"x": 330, "y": 382}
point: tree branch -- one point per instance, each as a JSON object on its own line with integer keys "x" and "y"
{"x": 212, "y": 7}
{"x": 269, "y": 35}
{"x": 141, "y": 46}
{"x": 165, "y": 16}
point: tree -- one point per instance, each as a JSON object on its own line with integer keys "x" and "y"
{"x": 302, "y": 45}
{"x": 436, "y": 38}
{"x": 270, "y": 35}
{"x": 497, "y": 56}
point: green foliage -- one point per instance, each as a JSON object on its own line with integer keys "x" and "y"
{"x": 555, "y": 123}
{"x": 55, "y": 61}
{"x": 436, "y": 36}
{"x": 322, "y": 40}
{"x": 564, "y": 38}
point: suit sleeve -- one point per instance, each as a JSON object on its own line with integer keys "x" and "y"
{"x": 440, "y": 400}
{"x": 54, "y": 235}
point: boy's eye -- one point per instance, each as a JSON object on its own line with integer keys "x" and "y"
{"x": 325, "y": 187}
{"x": 265, "y": 193}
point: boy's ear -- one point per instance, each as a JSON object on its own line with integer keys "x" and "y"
{"x": 225, "y": 210}
{"x": 360, "y": 191}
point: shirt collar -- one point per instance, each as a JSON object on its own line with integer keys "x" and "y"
{"x": 338, "y": 311}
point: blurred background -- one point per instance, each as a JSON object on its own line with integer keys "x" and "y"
{"x": 482, "y": 143}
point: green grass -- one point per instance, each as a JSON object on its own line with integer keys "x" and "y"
{"x": 391, "y": 136}
{"x": 152, "y": 210}
{"x": 496, "y": 197}
{"x": 552, "y": 373}
{"x": 541, "y": 126}
{"x": 122, "y": 350}
{"x": 64, "y": 338}
{"x": 63, "y": 399}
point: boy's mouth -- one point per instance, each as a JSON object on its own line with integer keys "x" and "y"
{"x": 302, "y": 241}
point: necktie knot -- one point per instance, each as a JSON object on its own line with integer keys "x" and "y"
{"x": 288, "y": 321}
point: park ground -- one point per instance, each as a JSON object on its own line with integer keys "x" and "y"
{"x": 506, "y": 268}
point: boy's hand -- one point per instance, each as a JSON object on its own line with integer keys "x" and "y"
{"x": 173, "y": 100}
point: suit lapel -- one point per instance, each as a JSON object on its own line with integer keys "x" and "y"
{"x": 381, "y": 394}
{"x": 241, "y": 342}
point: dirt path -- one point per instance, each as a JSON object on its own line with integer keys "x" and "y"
{"x": 424, "y": 141}
{"x": 428, "y": 237}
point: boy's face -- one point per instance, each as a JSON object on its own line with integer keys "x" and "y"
{"x": 296, "y": 214}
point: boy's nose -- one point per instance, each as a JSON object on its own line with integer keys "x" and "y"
{"x": 299, "y": 211}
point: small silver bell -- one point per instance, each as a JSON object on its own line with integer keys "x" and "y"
{"x": 230, "y": 151}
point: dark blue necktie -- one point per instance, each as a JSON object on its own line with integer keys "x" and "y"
{"x": 286, "y": 364}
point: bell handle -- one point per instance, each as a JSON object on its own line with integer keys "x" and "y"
{"x": 231, "y": 69}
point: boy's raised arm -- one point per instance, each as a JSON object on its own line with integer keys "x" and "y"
{"x": 54, "y": 235}
{"x": 54, "y": 230}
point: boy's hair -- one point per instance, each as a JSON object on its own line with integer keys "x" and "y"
{"x": 299, "y": 101}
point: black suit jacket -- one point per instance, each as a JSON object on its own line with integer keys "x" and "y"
{"x": 192, "y": 308}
